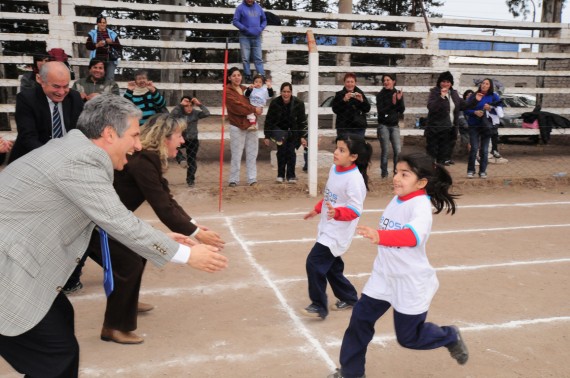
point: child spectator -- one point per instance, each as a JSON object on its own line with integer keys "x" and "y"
{"x": 340, "y": 210}
{"x": 258, "y": 96}
{"x": 402, "y": 275}
{"x": 145, "y": 96}
{"x": 187, "y": 111}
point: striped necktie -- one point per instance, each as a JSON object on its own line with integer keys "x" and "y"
{"x": 56, "y": 123}
{"x": 108, "y": 282}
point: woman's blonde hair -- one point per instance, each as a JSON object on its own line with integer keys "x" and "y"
{"x": 156, "y": 130}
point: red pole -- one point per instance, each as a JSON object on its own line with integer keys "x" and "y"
{"x": 223, "y": 123}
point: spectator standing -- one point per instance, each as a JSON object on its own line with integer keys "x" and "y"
{"x": 241, "y": 139}
{"x": 104, "y": 45}
{"x": 145, "y": 96}
{"x": 391, "y": 107}
{"x": 444, "y": 106}
{"x": 186, "y": 109}
{"x": 29, "y": 79}
{"x": 350, "y": 106}
{"x": 250, "y": 20}
{"x": 258, "y": 96}
{"x": 46, "y": 112}
{"x": 286, "y": 125}
{"x": 96, "y": 83}
{"x": 480, "y": 127}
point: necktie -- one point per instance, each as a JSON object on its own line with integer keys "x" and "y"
{"x": 56, "y": 123}
{"x": 108, "y": 283}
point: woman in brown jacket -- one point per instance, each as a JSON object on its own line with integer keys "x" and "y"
{"x": 142, "y": 180}
{"x": 238, "y": 108}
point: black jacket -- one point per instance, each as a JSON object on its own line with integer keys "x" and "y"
{"x": 388, "y": 112}
{"x": 347, "y": 112}
{"x": 295, "y": 124}
{"x": 439, "y": 108}
{"x": 33, "y": 119}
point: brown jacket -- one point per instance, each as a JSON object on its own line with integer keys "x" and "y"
{"x": 238, "y": 107}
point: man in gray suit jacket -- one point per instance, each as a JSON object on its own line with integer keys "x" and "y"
{"x": 51, "y": 199}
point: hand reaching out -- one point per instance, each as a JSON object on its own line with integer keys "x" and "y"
{"x": 310, "y": 214}
{"x": 206, "y": 258}
{"x": 210, "y": 238}
{"x": 368, "y": 233}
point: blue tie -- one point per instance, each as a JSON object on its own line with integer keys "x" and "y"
{"x": 108, "y": 283}
{"x": 56, "y": 123}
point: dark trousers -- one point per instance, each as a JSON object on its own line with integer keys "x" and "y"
{"x": 49, "y": 349}
{"x": 412, "y": 332}
{"x": 192, "y": 146}
{"x": 128, "y": 267}
{"x": 440, "y": 142}
{"x": 286, "y": 159}
{"x": 323, "y": 266}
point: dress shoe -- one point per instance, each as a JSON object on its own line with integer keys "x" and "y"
{"x": 108, "y": 334}
{"x": 144, "y": 307}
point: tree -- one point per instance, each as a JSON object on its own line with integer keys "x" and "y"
{"x": 551, "y": 9}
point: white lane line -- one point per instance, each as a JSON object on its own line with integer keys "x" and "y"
{"x": 214, "y": 289}
{"x": 443, "y": 232}
{"x": 292, "y": 314}
{"x": 300, "y": 213}
{"x": 384, "y": 340}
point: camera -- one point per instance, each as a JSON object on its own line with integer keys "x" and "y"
{"x": 353, "y": 94}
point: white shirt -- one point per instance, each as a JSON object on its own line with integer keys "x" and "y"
{"x": 343, "y": 189}
{"x": 403, "y": 276}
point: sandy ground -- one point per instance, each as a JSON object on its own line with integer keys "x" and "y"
{"x": 502, "y": 262}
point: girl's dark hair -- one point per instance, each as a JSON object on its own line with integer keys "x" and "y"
{"x": 467, "y": 93}
{"x": 392, "y": 76}
{"x": 491, "y": 86}
{"x": 439, "y": 180}
{"x": 286, "y": 84}
{"x": 230, "y": 72}
{"x": 101, "y": 17}
{"x": 358, "y": 146}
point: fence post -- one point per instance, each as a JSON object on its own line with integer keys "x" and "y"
{"x": 313, "y": 112}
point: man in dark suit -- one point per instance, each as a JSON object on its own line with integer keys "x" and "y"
{"x": 35, "y": 114}
{"x": 51, "y": 200}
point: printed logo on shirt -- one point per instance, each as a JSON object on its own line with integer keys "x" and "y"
{"x": 330, "y": 196}
{"x": 387, "y": 224}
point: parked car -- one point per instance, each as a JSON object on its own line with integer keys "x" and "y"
{"x": 326, "y": 120}
{"x": 514, "y": 106}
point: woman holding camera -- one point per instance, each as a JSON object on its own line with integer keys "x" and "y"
{"x": 350, "y": 106}
{"x": 390, "y": 106}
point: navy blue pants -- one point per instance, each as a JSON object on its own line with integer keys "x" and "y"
{"x": 412, "y": 332}
{"x": 323, "y": 266}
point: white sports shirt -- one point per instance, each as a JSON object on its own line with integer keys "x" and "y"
{"x": 403, "y": 276}
{"x": 343, "y": 189}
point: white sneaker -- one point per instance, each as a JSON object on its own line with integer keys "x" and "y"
{"x": 279, "y": 180}
{"x": 470, "y": 175}
{"x": 292, "y": 181}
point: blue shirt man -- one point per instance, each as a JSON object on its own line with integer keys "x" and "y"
{"x": 250, "y": 19}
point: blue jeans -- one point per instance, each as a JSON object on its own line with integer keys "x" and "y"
{"x": 412, "y": 332}
{"x": 386, "y": 135}
{"x": 251, "y": 46}
{"x": 110, "y": 67}
{"x": 478, "y": 136}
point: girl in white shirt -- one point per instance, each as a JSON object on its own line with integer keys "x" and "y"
{"x": 340, "y": 210}
{"x": 402, "y": 276}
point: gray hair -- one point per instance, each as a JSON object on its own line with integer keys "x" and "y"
{"x": 106, "y": 110}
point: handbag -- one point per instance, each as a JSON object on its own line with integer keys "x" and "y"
{"x": 114, "y": 54}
